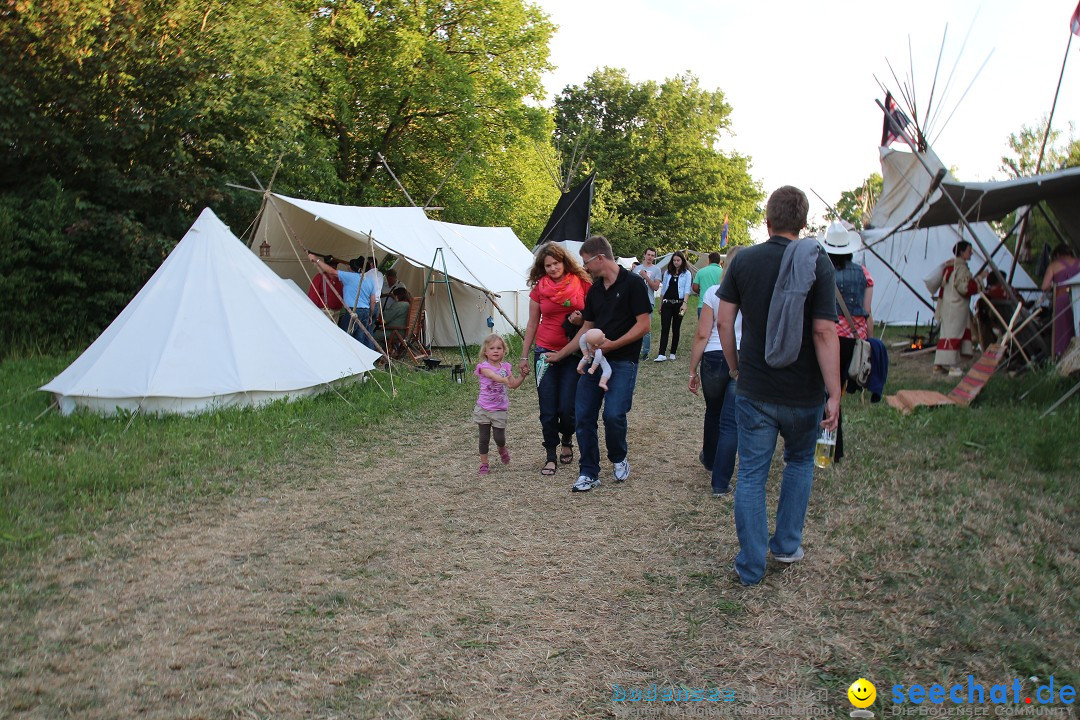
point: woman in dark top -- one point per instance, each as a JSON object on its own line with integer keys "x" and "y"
{"x": 674, "y": 288}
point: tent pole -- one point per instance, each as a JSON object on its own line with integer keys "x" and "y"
{"x": 495, "y": 304}
{"x": 450, "y": 296}
{"x": 1053, "y": 226}
{"x": 1063, "y": 398}
{"x": 1046, "y": 134}
{"x": 378, "y": 305}
{"x": 899, "y": 132}
{"x": 400, "y": 186}
{"x": 883, "y": 260}
{"x": 900, "y": 277}
{"x": 453, "y": 307}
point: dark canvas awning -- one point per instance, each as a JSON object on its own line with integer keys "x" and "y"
{"x": 994, "y": 200}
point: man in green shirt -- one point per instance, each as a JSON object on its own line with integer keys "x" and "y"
{"x": 707, "y": 277}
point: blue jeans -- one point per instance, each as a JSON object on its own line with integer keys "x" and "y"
{"x": 556, "y": 394}
{"x": 759, "y": 424}
{"x": 720, "y": 439}
{"x": 364, "y": 315}
{"x": 646, "y": 339}
{"x": 616, "y": 401}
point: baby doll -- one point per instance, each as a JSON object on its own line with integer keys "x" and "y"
{"x": 590, "y": 342}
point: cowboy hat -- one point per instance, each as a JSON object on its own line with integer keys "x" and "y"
{"x": 839, "y": 240}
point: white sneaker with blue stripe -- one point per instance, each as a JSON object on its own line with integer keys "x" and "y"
{"x": 585, "y": 484}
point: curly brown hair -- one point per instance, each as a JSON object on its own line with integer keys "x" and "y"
{"x": 569, "y": 263}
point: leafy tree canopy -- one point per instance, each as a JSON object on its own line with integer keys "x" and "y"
{"x": 137, "y": 113}
{"x": 854, "y": 205}
{"x": 663, "y": 181}
{"x": 1022, "y": 161}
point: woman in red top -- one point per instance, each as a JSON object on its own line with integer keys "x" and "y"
{"x": 559, "y": 285}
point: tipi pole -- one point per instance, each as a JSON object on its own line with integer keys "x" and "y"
{"x": 1042, "y": 148}
{"x": 899, "y": 132}
{"x": 883, "y": 260}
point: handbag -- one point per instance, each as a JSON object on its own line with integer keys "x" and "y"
{"x": 859, "y": 369}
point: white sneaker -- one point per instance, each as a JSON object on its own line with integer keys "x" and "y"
{"x": 585, "y": 484}
{"x": 792, "y": 558}
{"x": 660, "y": 358}
{"x": 622, "y": 470}
{"x": 671, "y": 356}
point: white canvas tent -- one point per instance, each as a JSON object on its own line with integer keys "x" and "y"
{"x": 898, "y": 242}
{"x": 212, "y": 328}
{"x": 487, "y": 267}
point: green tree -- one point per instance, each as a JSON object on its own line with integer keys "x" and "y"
{"x": 138, "y": 112}
{"x": 1022, "y": 161}
{"x": 654, "y": 146}
{"x": 148, "y": 107}
{"x": 1025, "y": 146}
{"x": 423, "y": 82}
{"x": 855, "y": 205}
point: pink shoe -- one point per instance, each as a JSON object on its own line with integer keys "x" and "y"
{"x": 484, "y": 469}
{"x": 505, "y": 455}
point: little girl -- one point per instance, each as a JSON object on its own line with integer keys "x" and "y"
{"x": 491, "y": 408}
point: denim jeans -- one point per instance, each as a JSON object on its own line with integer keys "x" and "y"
{"x": 759, "y": 424}
{"x": 556, "y": 395}
{"x": 720, "y": 438}
{"x": 646, "y": 339}
{"x": 364, "y": 315}
{"x": 616, "y": 401}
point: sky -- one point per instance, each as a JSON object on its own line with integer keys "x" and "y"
{"x": 800, "y": 76}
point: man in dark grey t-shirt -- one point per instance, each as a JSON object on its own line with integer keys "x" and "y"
{"x": 783, "y": 401}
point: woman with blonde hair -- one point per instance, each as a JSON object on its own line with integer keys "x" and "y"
{"x": 559, "y": 285}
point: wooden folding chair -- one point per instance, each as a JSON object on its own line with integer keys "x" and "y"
{"x": 411, "y": 341}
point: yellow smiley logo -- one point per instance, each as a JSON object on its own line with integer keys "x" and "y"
{"x": 862, "y": 693}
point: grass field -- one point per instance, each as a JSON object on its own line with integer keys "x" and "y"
{"x": 338, "y": 557}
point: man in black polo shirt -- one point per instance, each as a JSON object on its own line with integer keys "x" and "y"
{"x": 786, "y": 401}
{"x": 618, "y": 304}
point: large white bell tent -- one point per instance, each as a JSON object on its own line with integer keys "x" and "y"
{"x": 213, "y": 328}
{"x": 485, "y": 268}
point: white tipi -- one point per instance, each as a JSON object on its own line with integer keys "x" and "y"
{"x": 214, "y": 327}
{"x": 896, "y": 246}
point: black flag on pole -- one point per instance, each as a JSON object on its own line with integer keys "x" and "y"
{"x": 570, "y": 218}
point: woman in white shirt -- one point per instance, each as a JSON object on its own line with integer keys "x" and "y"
{"x": 674, "y": 289}
{"x": 720, "y": 437}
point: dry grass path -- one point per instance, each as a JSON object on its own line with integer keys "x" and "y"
{"x": 399, "y": 585}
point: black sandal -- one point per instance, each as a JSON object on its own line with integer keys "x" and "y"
{"x": 566, "y": 454}
{"x": 549, "y": 471}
